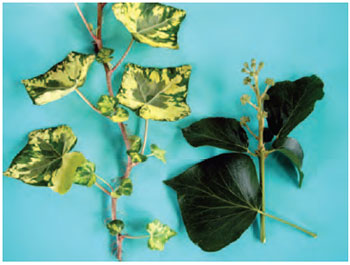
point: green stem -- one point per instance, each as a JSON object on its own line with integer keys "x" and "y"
{"x": 288, "y": 223}
{"x": 105, "y": 182}
{"x": 262, "y": 186}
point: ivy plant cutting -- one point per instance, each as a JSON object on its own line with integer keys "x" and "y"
{"x": 220, "y": 197}
{"x": 47, "y": 160}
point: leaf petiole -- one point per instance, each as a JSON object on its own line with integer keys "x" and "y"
{"x": 135, "y": 237}
{"x": 105, "y": 182}
{"x": 314, "y": 235}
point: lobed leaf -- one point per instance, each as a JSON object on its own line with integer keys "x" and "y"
{"x": 151, "y": 23}
{"x": 219, "y": 132}
{"x": 46, "y": 161}
{"x": 290, "y": 103}
{"x": 59, "y": 80}
{"x": 156, "y": 93}
{"x": 158, "y": 153}
{"x": 108, "y": 106}
{"x": 85, "y": 174}
{"x": 218, "y": 199}
{"x": 292, "y": 150}
{"x": 159, "y": 235}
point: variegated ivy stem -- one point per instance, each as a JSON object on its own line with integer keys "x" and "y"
{"x": 262, "y": 153}
{"x": 109, "y": 71}
{"x": 145, "y": 137}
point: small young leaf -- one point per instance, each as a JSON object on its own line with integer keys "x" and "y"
{"x": 104, "y": 55}
{"x": 85, "y": 174}
{"x": 120, "y": 115}
{"x": 115, "y": 227}
{"x": 156, "y": 93}
{"x": 291, "y": 102}
{"x": 108, "y": 106}
{"x": 223, "y": 133}
{"x": 292, "y": 149}
{"x": 158, "y": 153}
{"x": 125, "y": 188}
{"x": 136, "y": 157}
{"x": 45, "y": 160}
{"x": 135, "y": 143}
{"x": 159, "y": 235}
{"x": 218, "y": 198}
{"x": 151, "y": 23}
{"x": 60, "y": 80}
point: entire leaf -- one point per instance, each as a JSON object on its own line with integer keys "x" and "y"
{"x": 156, "y": 93}
{"x": 62, "y": 79}
{"x": 85, "y": 174}
{"x": 115, "y": 227}
{"x": 125, "y": 188}
{"x": 159, "y": 235}
{"x": 108, "y": 106}
{"x": 158, "y": 153}
{"x": 291, "y": 102}
{"x": 151, "y": 23}
{"x": 218, "y": 198}
{"x": 219, "y": 132}
{"x": 292, "y": 150}
{"x": 46, "y": 161}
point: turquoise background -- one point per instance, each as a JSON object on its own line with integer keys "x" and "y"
{"x": 293, "y": 40}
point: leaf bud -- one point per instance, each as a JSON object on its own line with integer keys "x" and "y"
{"x": 245, "y": 99}
{"x": 246, "y": 65}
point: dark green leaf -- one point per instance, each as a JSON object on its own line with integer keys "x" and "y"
{"x": 268, "y": 135}
{"x": 291, "y": 102}
{"x": 292, "y": 149}
{"x": 224, "y": 133}
{"x": 218, "y": 198}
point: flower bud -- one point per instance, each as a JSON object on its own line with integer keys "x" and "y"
{"x": 244, "y": 120}
{"x": 245, "y": 99}
{"x": 247, "y": 80}
{"x": 270, "y": 82}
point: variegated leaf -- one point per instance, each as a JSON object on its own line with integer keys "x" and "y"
{"x": 115, "y": 227}
{"x": 135, "y": 143}
{"x": 46, "y": 161}
{"x": 125, "y": 188}
{"x": 60, "y": 80}
{"x": 108, "y": 106}
{"x": 158, "y": 153}
{"x": 159, "y": 235}
{"x": 154, "y": 24}
{"x": 85, "y": 174}
{"x": 136, "y": 157}
{"x": 156, "y": 93}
